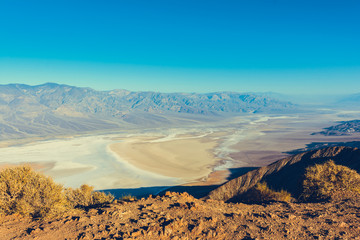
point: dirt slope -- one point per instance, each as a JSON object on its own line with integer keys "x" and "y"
{"x": 287, "y": 173}
{"x": 176, "y": 216}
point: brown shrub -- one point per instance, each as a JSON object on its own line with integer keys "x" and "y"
{"x": 85, "y": 196}
{"x": 26, "y": 192}
{"x": 128, "y": 198}
{"x": 322, "y": 180}
{"x": 262, "y": 193}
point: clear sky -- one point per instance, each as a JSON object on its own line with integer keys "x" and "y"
{"x": 285, "y": 46}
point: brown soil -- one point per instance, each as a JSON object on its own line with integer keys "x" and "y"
{"x": 180, "y": 216}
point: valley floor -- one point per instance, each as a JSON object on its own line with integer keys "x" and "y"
{"x": 203, "y": 154}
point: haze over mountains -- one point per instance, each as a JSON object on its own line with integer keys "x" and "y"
{"x": 352, "y": 100}
{"x": 61, "y": 109}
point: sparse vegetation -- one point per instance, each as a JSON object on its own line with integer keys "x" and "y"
{"x": 85, "y": 196}
{"x": 262, "y": 193}
{"x": 128, "y": 198}
{"x": 322, "y": 180}
{"x": 26, "y": 192}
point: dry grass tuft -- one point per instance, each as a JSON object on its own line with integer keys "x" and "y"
{"x": 28, "y": 193}
{"x": 128, "y": 198}
{"x": 85, "y": 196}
{"x": 322, "y": 180}
{"x": 262, "y": 193}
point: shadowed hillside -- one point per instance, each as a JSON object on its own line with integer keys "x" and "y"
{"x": 286, "y": 174}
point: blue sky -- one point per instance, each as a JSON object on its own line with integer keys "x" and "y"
{"x": 193, "y": 46}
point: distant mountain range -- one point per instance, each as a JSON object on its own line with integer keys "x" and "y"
{"x": 60, "y": 109}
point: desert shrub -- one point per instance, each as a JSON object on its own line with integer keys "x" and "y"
{"x": 128, "y": 198}
{"x": 322, "y": 180}
{"x": 262, "y": 193}
{"x": 85, "y": 196}
{"x": 29, "y": 193}
{"x": 101, "y": 198}
{"x": 26, "y": 192}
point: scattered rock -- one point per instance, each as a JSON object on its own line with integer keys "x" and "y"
{"x": 183, "y": 217}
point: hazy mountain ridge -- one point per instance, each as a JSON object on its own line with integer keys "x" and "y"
{"x": 52, "y": 108}
{"x": 353, "y": 98}
{"x": 349, "y": 102}
{"x": 344, "y": 128}
{"x": 88, "y": 100}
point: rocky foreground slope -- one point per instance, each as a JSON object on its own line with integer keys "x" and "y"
{"x": 180, "y": 216}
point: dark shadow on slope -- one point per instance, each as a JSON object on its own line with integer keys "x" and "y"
{"x": 288, "y": 174}
{"x": 202, "y": 191}
{"x": 237, "y": 172}
{"x": 195, "y": 191}
{"x": 136, "y": 192}
{"x": 320, "y": 145}
{"x": 291, "y": 176}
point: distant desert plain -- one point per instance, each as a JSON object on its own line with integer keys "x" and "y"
{"x": 201, "y": 154}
